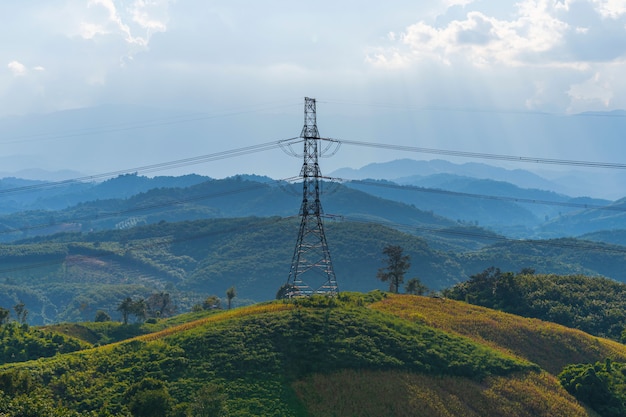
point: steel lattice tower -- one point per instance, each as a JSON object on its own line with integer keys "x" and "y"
{"x": 311, "y": 267}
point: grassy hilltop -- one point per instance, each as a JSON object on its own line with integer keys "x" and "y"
{"x": 370, "y": 354}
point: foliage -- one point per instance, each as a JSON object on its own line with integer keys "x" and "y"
{"x": 594, "y": 305}
{"x": 396, "y": 266}
{"x": 252, "y": 355}
{"x": 600, "y": 385}
{"x": 68, "y": 277}
{"x": 230, "y": 294}
{"x": 209, "y": 401}
{"x": 149, "y": 398}
{"x": 415, "y": 287}
{"x": 102, "y": 316}
{"x": 4, "y": 315}
{"x": 160, "y": 305}
{"x": 22, "y": 343}
{"x": 212, "y": 302}
{"x": 137, "y": 308}
{"x": 549, "y": 345}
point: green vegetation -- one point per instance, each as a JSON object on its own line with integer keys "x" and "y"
{"x": 70, "y": 276}
{"x": 600, "y": 385}
{"x": 251, "y": 357}
{"x": 396, "y": 266}
{"x": 20, "y": 343}
{"x": 594, "y": 305}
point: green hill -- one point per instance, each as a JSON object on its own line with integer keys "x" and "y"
{"x": 357, "y": 355}
{"x": 594, "y": 305}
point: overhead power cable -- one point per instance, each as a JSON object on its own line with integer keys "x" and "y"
{"x": 121, "y": 127}
{"x": 485, "y": 196}
{"x": 147, "y": 207}
{"x": 155, "y": 167}
{"x": 480, "y": 155}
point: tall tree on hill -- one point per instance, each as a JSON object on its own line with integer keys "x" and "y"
{"x": 230, "y": 294}
{"x": 126, "y": 308}
{"x": 396, "y": 265}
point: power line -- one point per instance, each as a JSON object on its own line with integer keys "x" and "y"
{"x": 577, "y": 244}
{"x": 121, "y": 127}
{"x": 480, "y": 155}
{"x": 255, "y": 186}
{"x": 156, "y": 167}
{"x": 174, "y": 202}
{"x": 485, "y": 196}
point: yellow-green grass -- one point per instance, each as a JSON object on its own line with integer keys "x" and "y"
{"x": 549, "y": 345}
{"x": 396, "y": 393}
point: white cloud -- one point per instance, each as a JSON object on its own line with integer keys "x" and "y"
{"x": 611, "y": 8}
{"x": 17, "y": 68}
{"x": 483, "y": 40}
{"x": 135, "y": 23}
{"x": 561, "y": 51}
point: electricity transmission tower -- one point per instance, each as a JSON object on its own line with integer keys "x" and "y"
{"x": 311, "y": 267}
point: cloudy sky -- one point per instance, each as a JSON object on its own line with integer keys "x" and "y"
{"x": 554, "y": 56}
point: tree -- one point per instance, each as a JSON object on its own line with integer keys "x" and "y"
{"x": 397, "y": 265}
{"x": 160, "y": 305}
{"x": 212, "y": 302}
{"x": 4, "y": 315}
{"x": 285, "y": 291}
{"x": 102, "y": 316}
{"x": 126, "y": 308}
{"x": 414, "y": 286}
{"x": 210, "y": 401}
{"x": 230, "y": 294}
{"x": 139, "y": 309}
{"x": 21, "y": 312}
{"x": 149, "y": 398}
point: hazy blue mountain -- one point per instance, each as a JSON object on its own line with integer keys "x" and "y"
{"x": 409, "y": 171}
{"x": 225, "y": 198}
{"x": 616, "y": 237}
{"x": 611, "y": 217}
{"x": 21, "y": 194}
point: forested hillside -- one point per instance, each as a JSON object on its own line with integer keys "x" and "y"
{"x": 69, "y": 277}
{"x": 594, "y": 305}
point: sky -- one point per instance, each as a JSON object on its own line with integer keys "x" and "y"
{"x": 367, "y": 62}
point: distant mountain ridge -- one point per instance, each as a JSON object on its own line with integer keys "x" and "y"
{"x": 437, "y": 200}
{"x": 410, "y": 171}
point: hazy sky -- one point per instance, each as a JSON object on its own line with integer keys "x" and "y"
{"x": 556, "y": 56}
{"x": 548, "y": 55}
